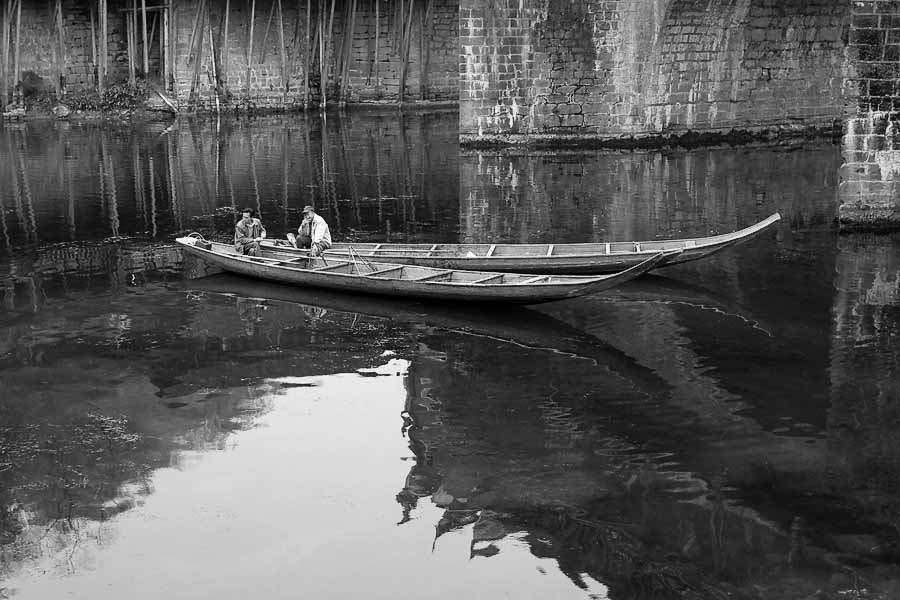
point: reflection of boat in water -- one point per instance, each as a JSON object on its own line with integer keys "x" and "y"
{"x": 517, "y": 325}
{"x": 361, "y": 275}
{"x": 585, "y": 258}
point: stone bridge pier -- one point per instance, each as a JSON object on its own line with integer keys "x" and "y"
{"x": 621, "y": 72}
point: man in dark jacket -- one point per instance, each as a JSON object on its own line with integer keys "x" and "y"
{"x": 248, "y": 233}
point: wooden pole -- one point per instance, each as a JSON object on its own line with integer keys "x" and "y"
{"x": 131, "y": 41}
{"x": 284, "y": 70}
{"x": 223, "y": 46}
{"x": 144, "y": 38}
{"x": 198, "y": 54}
{"x": 348, "y": 53}
{"x": 250, "y": 44}
{"x": 404, "y": 64}
{"x": 265, "y": 42}
{"x": 321, "y": 33}
{"x": 94, "y": 49}
{"x": 163, "y": 40}
{"x": 193, "y": 41}
{"x": 61, "y": 65}
{"x": 17, "y": 49}
{"x": 101, "y": 85}
{"x": 213, "y": 54}
{"x": 322, "y": 67}
{"x": 424, "y": 51}
{"x": 171, "y": 30}
{"x": 377, "y": 43}
{"x": 4, "y": 56}
{"x": 307, "y": 56}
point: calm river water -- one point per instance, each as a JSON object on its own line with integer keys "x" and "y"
{"x": 723, "y": 429}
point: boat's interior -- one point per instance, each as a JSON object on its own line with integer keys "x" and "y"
{"x": 362, "y": 266}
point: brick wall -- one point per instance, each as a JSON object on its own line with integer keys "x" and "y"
{"x": 870, "y": 176}
{"x": 612, "y": 68}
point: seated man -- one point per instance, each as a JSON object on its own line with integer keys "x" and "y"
{"x": 248, "y": 233}
{"x": 319, "y": 234}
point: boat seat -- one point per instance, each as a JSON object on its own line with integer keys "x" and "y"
{"x": 489, "y": 278}
{"x": 533, "y": 279}
{"x": 435, "y": 277}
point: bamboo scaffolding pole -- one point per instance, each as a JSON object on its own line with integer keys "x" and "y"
{"x": 338, "y": 55}
{"x": 146, "y": 48}
{"x": 307, "y": 56}
{"x": 213, "y": 55}
{"x": 323, "y": 87}
{"x": 194, "y": 29}
{"x": 424, "y": 50}
{"x": 4, "y": 56}
{"x": 404, "y": 59}
{"x": 320, "y": 33}
{"x": 265, "y": 42}
{"x": 152, "y": 35}
{"x": 61, "y": 62}
{"x": 103, "y": 48}
{"x": 223, "y": 46}
{"x": 167, "y": 51}
{"x": 17, "y": 51}
{"x": 377, "y": 48}
{"x": 348, "y": 55}
{"x": 284, "y": 70}
{"x": 250, "y": 44}
{"x": 94, "y": 49}
{"x": 131, "y": 42}
{"x": 163, "y": 44}
{"x": 198, "y": 53}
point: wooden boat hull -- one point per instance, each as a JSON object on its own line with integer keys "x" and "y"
{"x": 390, "y": 279}
{"x": 584, "y": 259}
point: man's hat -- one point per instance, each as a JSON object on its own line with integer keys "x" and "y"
{"x": 308, "y": 208}
{"x": 248, "y": 210}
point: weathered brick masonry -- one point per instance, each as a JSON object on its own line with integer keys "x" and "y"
{"x": 614, "y": 68}
{"x": 870, "y": 176}
{"x": 432, "y": 56}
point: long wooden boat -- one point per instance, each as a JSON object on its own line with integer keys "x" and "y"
{"x": 583, "y": 258}
{"x": 370, "y": 277}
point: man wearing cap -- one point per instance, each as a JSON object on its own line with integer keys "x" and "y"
{"x": 319, "y": 234}
{"x": 248, "y": 233}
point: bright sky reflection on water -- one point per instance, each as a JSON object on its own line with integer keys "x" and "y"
{"x": 313, "y": 513}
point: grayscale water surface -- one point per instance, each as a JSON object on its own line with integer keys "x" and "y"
{"x": 722, "y": 429}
